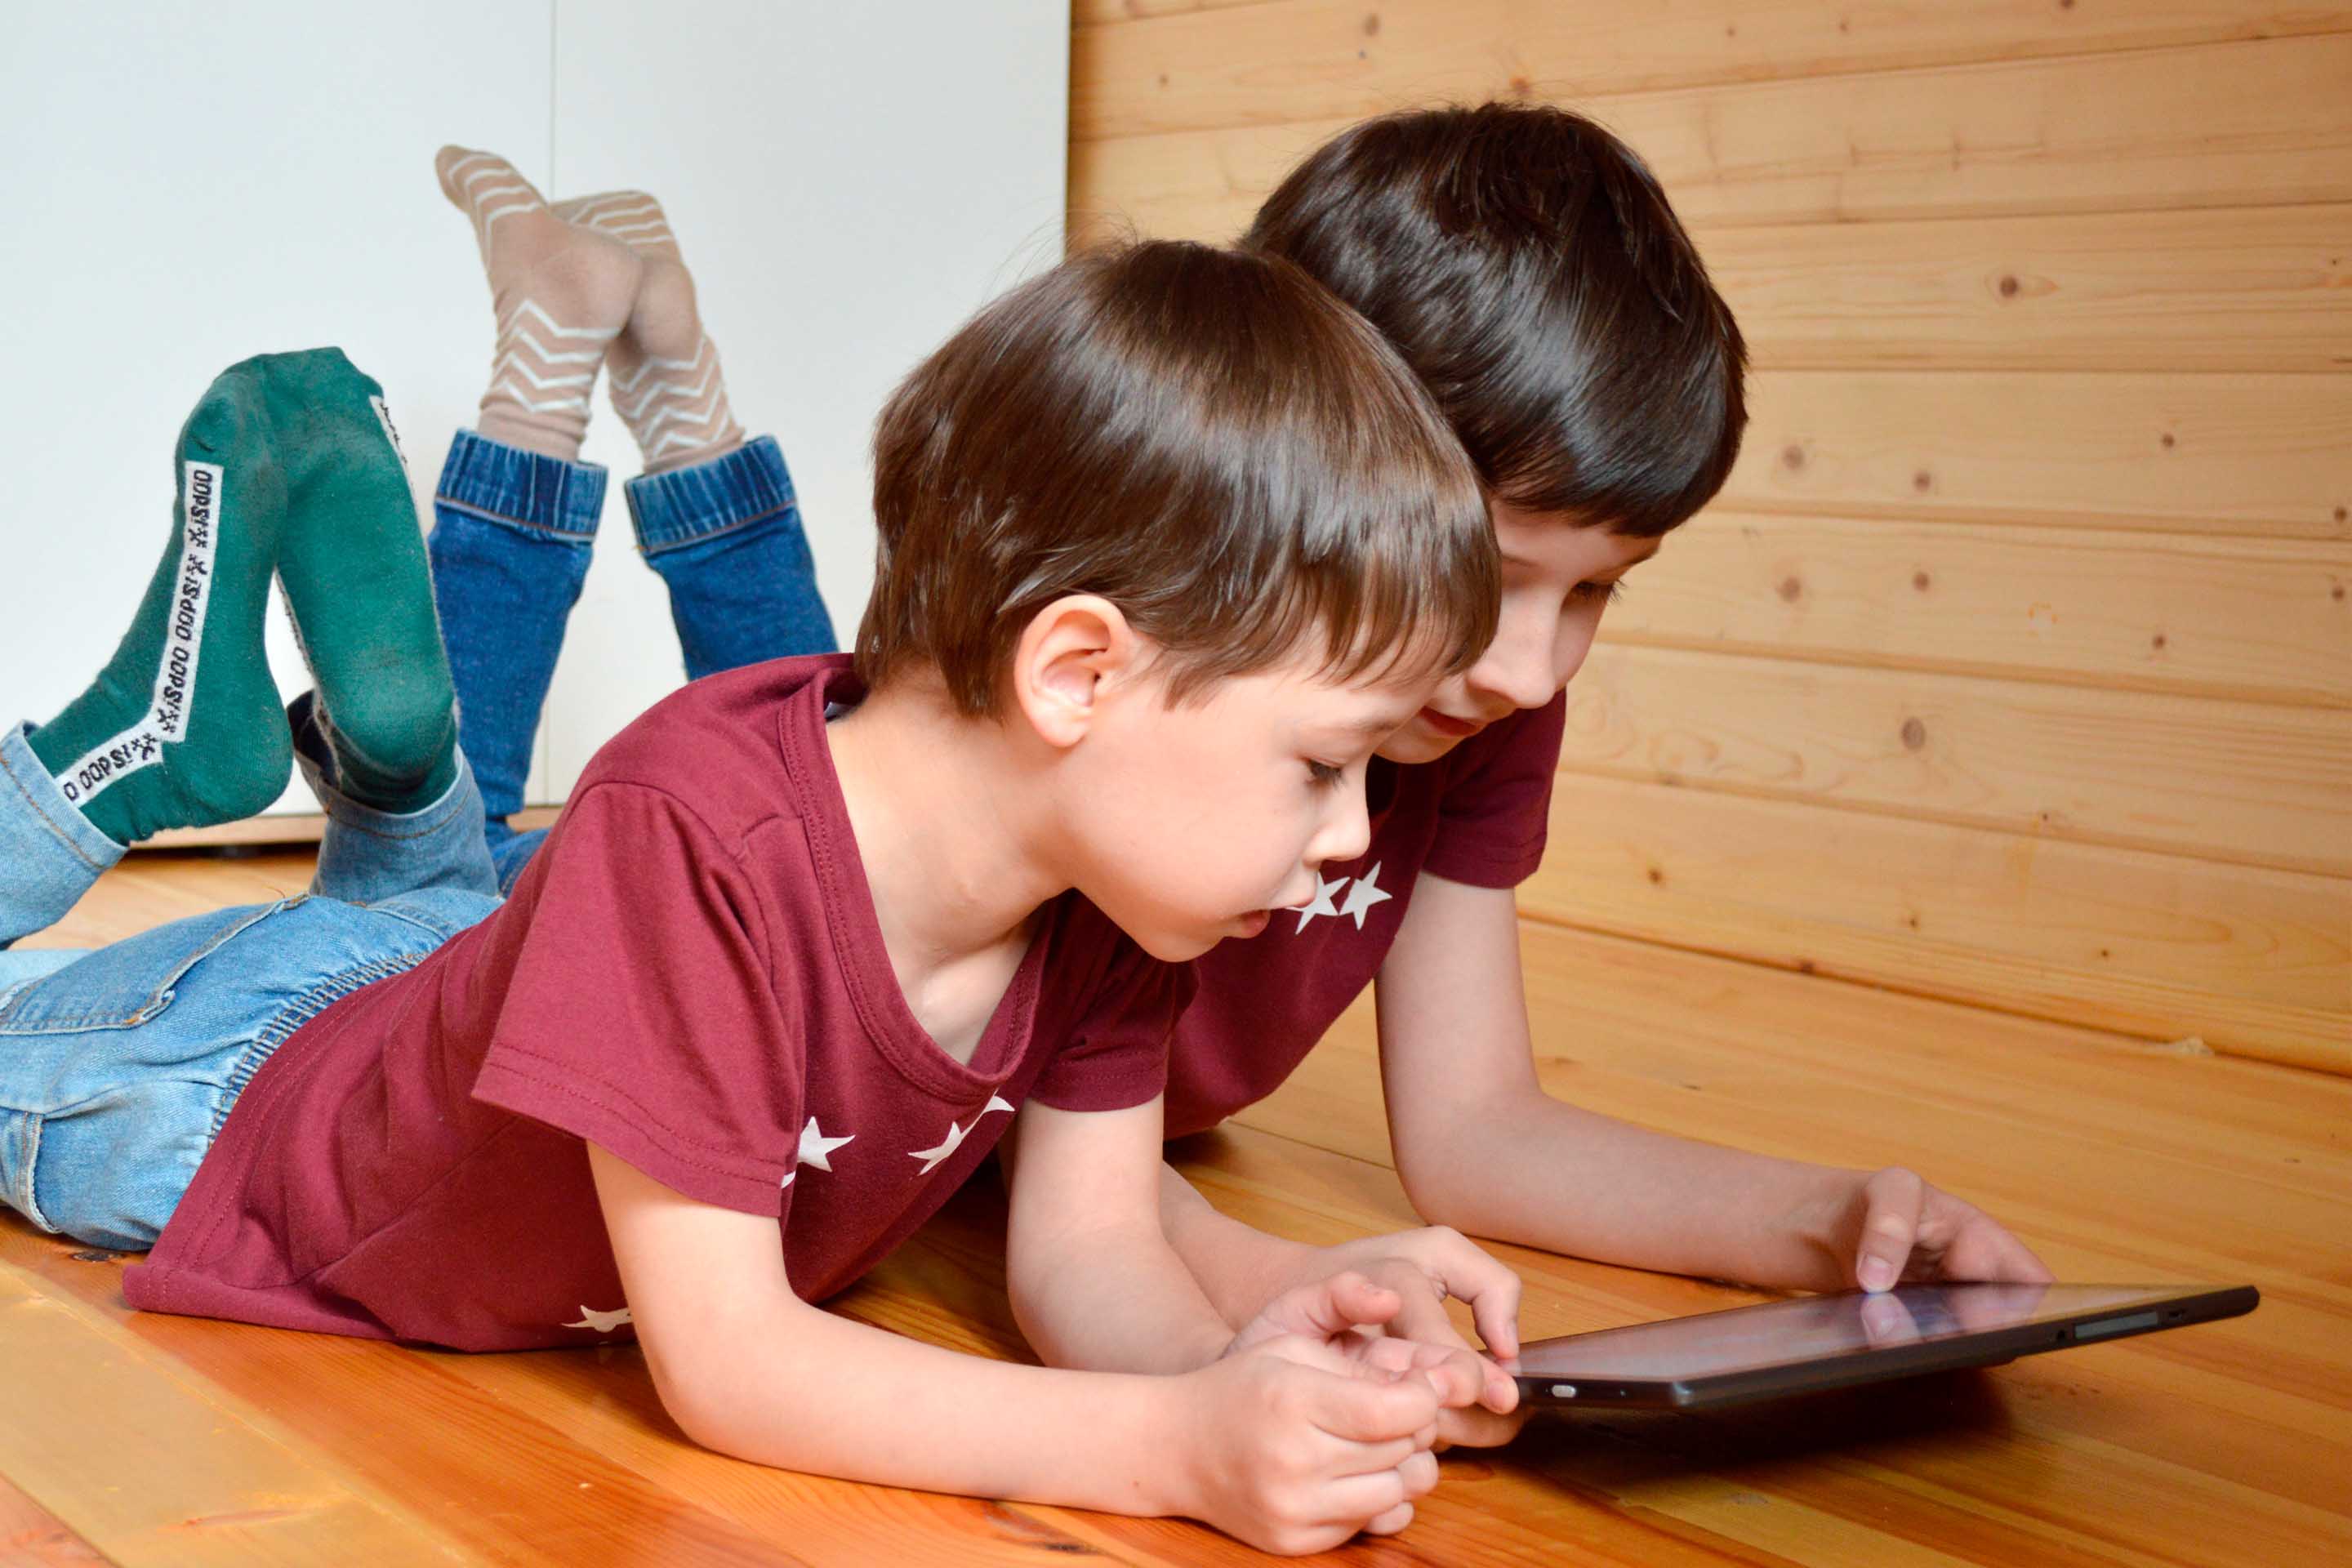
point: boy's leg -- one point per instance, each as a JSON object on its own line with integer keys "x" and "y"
{"x": 512, "y": 534}
{"x": 180, "y": 728}
{"x": 515, "y": 514}
{"x": 715, "y": 516}
{"x": 725, "y": 537}
{"x": 377, "y": 740}
{"x": 118, "y": 1070}
{"x": 559, "y": 294}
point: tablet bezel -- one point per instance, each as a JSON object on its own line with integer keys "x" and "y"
{"x": 2175, "y": 1306}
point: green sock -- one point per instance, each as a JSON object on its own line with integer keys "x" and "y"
{"x": 181, "y": 729}
{"x": 358, "y": 585}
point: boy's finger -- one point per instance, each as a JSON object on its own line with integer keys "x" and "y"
{"x": 1335, "y": 1305}
{"x": 1418, "y": 1473}
{"x": 1357, "y": 1503}
{"x": 1421, "y": 1312}
{"x": 1889, "y": 1226}
{"x": 1494, "y": 1300}
{"x": 1458, "y": 1376}
{"x": 1467, "y": 1272}
{"x": 1476, "y": 1427}
{"x": 1392, "y": 1522}
{"x": 1358, "y": 1411}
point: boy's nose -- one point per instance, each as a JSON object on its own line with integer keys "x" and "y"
{"x": 1346, "y": 837}
{"x": 1525, "y": 672}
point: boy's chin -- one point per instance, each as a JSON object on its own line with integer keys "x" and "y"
{"x": 1417, "y": 743}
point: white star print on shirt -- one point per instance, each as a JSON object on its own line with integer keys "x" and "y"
{"x": 816, "y": 1149}
{"x": 947, "y": 1147}
{"x": 1364, "y": 895}
{"x": 602, "y": 1322}
{"x": 1320, "y": 904}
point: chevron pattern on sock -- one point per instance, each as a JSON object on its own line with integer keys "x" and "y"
{"x": 666, "y": 384}
{"x": 561, "y": 295}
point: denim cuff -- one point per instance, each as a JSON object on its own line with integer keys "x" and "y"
{"x": 685, "y": 506}
{"x": 50, "y": 853}
{"x": 523, "y": 489}
{"x": 370, "y": 855}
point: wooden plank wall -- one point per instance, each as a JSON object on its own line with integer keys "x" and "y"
{"x": 2015, "y": 663}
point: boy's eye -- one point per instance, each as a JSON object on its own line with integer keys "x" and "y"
{"x": 1324, "y": 775}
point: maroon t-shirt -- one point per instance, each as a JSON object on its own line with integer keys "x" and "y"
{"x": 1476, "y": 814}
{"x": 691, "y": 974}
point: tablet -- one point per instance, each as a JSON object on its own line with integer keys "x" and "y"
{"x": 1834, "y": 1342}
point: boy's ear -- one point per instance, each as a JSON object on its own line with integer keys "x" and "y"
{"x": 1069, "y": 649}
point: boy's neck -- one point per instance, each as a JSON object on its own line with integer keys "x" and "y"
{"x": 952, "y": 828}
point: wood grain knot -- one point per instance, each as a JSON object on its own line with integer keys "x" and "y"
{"x": 1921, "y": 580}
{"x": 1792, "y": 456}
{"x": 1923, "y": 481}
{"x": 1792, "y": 590}
{"x": 1914, "y": 734}
{"x": 2009, "y": 286}
{"x": 1372, "y": 25}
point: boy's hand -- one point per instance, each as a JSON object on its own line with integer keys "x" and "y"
{"x": 1894, "y": 1227}
{"x": 1293, "y": 1445}
{"x": 1344, "y": 1311}
{"x": 1424, "y": 1267}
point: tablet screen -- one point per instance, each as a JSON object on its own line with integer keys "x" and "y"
{"x": 1813, "y": 1327}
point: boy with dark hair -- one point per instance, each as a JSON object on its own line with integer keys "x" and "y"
{"x": 1530, "y": 271}
{"x": 1171, "y": 540}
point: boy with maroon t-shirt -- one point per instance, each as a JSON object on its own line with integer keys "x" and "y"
{"x": 1169, "y": 541}
{"x": 1527, "y": 266}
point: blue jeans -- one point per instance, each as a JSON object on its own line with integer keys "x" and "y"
{"x": 117, "y": 1067}
{"x": 512, "y": 533}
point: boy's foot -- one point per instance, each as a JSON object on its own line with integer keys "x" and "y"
{"x": 181, "y": 729}
{"x": 561, "y": 294}
{"x": 357, "y": 584}
{"x": 666, "y": 384}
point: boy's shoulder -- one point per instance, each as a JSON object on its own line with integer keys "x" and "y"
{"x": 722, "y": 747}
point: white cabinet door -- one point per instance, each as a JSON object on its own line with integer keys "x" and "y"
{"x": 848, "y": 183}
{"x": 185, "y": 186}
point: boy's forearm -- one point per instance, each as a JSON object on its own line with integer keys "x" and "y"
{"x": 1112, "y": 1300}
{"x": 1526, "y": 1168}
{"x": 1239, "y": 1268}
{"x": 835, "y": 1397}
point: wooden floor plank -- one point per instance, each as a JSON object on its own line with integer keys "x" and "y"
{"x": 2226, "y": 1446}
{"x": 147, "y": 1465}
{"x": 504, "y": 1487}
{"x": 33, "y": 1537}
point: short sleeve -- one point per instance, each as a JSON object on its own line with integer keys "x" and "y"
{"x": 1116, "y": 1056}
{"x": 638, "y": 1012}
{"x": 1495, "y": 811}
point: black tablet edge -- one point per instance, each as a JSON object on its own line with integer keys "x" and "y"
{"x": 1853, "y": 1370}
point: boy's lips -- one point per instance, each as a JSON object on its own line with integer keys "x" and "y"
{"x": 1447, "y": 724}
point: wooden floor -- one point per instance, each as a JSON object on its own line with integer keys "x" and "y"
{"x": 141, "y": 1440}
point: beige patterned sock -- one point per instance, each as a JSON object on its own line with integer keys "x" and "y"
{"x": 666, "y": 384}
{"x": 561, "y": 294}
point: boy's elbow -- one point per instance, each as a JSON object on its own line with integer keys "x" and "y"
{"x": 698, "y": 1400}
{"x": 1439, "y": 1197}
{"x": 1450, "y": 1163}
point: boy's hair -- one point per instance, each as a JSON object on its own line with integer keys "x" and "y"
{"x": 1527, "y": 266}
{"x": 1207, "y": 439}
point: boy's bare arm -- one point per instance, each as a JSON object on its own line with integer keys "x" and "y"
{"x": 1093, "y": 1280}
{"x": 1481, "y": 1146}
{"x": 1285, "y": 1446}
